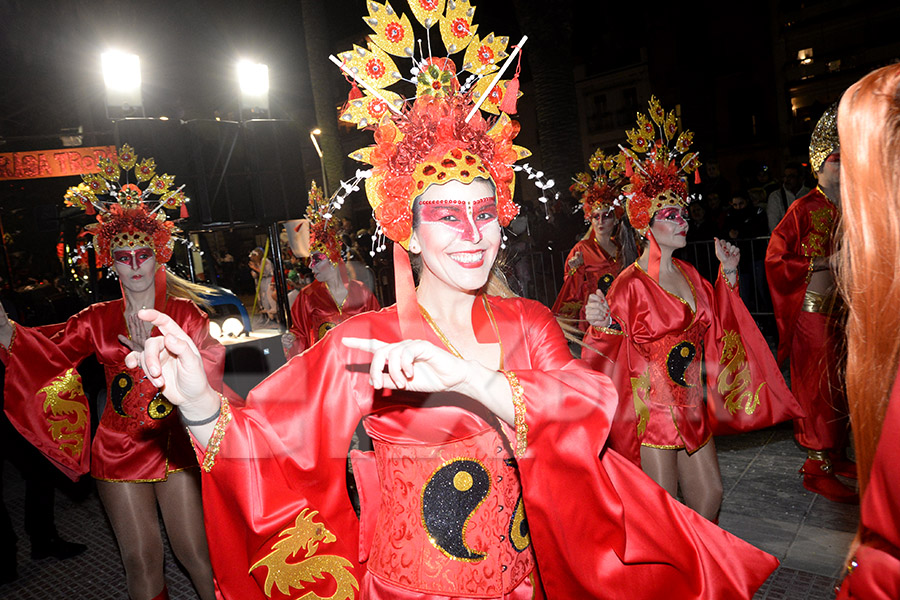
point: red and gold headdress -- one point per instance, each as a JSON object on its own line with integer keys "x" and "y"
{"x": 656, "y": 171}
{"x": 132, "y": 217}
{"x": 323, "y": 232}
{"x": 440, "y": 136}
{"x": 601, "y": 188}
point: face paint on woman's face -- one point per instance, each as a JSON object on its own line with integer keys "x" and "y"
{"x": 673, "y": 214}
{"x": 670, "y": 227}
{"x": 135, "y": 267}
{"x": 132, "y": 258}
{"x": 458, "y": 232}
{"x": 466, "y": 218}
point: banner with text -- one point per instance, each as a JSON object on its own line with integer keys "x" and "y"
{"x": 52, "y": 163}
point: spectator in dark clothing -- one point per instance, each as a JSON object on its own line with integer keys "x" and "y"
{"x": 701, "y": 228}
{"x": 745, "y": 220}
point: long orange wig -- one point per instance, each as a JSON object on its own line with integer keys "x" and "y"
{"x": 869, "y": 128}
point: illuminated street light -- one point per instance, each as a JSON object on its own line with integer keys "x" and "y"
{"x": 312, "y": 136}
{"x": 122, "y": 78}
{"x": 253, "y": 79}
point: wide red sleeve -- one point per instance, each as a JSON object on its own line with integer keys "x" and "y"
{"x": 43, "y": 395}
{"x": 371, "y": 301}
{"x": 573, "y": 292}
{"x": 613, "y": 351}
{"x": 274, "y": 489}
{"x": 877, "y": 572}
{"x": 300, "y": 326}
{"x": 746, "y": 390}
{"x": 600, "y": 527}
{"x": 787, "y": 271}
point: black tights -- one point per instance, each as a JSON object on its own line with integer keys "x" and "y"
{"x": 131, "y": 508}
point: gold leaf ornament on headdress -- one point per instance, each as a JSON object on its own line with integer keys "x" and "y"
{"x": 436, "y": 135}
{"x": 657, "y": 171}
{"x": 129, "y": 216}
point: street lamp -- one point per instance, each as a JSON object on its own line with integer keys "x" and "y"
{"x": 122, "y": 78}
{"x": 312, "y": 136}
{"x": 253, "y": 79}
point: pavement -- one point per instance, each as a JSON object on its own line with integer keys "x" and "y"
{"x": 764, "y": 503}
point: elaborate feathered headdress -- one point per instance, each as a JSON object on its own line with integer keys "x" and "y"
{"x": 438, "y": 135}
{"x": 130, "y": 216}
{"x": 601, "y": 188}
{"x": 656, "y": 165}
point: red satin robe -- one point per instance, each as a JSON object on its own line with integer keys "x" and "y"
{"x": 877, "y": 572}
{"x": 810, "y": 339}
{"x": 599, "y": 270}
{"x": 654, "y": 352}
{"x": 314, "y": 312}
{"x": 595, "y": 528}
{"x": 140, "y": 437}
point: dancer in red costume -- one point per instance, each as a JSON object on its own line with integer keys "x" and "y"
{"x": 333, "y": 297}
{"x": 479, "y": 414}
{"x": 140, "y": 456}
{"x": 662, "y": 319}
{"x": 593, "y": 262}
{"x": 801, "y": 281}
{"x": 869, "y": 125}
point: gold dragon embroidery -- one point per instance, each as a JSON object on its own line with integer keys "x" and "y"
{"x": 822, "y": 221}
{"x": 69, "y": 433}
{"x": 306, "y": 533}
{"x": 640, "y": 386}
{"x": 734, "y": 379}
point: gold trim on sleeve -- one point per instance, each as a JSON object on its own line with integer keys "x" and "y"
{"x": 518, "y": 398}
{"x": 215, "y": 440}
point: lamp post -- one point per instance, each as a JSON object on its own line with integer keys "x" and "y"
{"x": 312, "y": 136}
{"x": 122, "y": 78}
{"x": 253, "y": 79}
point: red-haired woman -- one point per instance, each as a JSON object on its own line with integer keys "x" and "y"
{"x": 869, "y": 128}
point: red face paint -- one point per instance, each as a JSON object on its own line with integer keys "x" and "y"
{"x": 673, "y": 214}
{"x": 835, "y": 157}
{"x": 315, "y": 258}
{"x": 467, "y": 218}
{"x": 132, "y": 258}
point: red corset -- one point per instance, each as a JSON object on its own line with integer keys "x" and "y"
{"x": 674, "y": 362}
{"x": 451, "y": 520}
{"x": 133, "y": 404}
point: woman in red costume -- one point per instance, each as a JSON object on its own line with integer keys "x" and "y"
{"x": 869, "y": 127}
{"x": 333, "y": 297}
{"x": 478, "y": 413}
{"x": 661, "y": 319}
{"x": 140, "y": 456}
{"x": 593, "y": 262}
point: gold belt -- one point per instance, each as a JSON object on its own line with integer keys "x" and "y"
{"x": 814, "y": 302}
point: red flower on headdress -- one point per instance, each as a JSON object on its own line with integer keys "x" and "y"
{"x": 375, "y": 68}
{"x": 131, "y": 223}
{"x": 394, "y": 31}
{"x": 460, "y": 28}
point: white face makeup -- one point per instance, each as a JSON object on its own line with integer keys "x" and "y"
{"x": 135, "y": 267}
{"x": 670, "y": 227}
{"x": 458, "y": 233}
